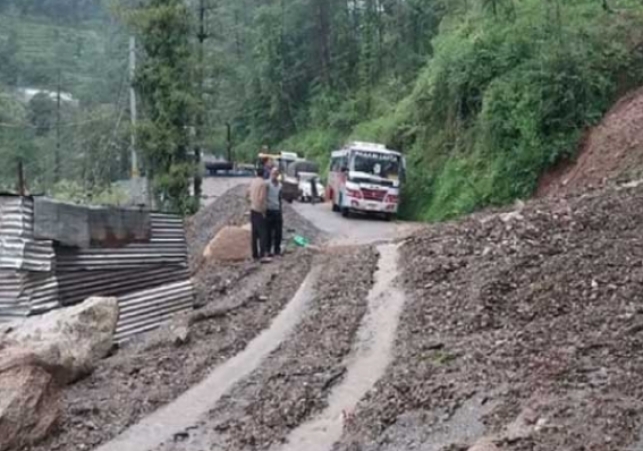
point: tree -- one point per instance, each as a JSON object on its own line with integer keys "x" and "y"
{"x": 9, "y": 67}
{"x": 16, "y": 143}
{"x": 42, "y": 113}
{"x": 164, "y": 83}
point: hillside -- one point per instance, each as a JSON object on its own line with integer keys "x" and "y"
{"x": 610, "y": 152}
{"x": 79, "y": 49}
{"x": 85, "y": 52}
{"x": 482, "y": 96}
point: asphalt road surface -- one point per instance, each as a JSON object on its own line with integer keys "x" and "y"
{"x": 356, "y": 230}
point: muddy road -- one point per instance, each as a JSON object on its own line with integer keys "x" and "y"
{"x": 517, "y": 330}
{"x": 340, "y": 231}
{"x": 314, "y": 360}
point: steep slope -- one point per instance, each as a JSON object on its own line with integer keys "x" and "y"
{"x": 610, "y": 152}
{"x": 524, "y": 328}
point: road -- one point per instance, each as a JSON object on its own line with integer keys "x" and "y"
{"x": 356, "y": 230}
{"x": 341, "y": 231}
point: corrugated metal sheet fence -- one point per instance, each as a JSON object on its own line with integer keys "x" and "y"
{"x": 150, "y": 279}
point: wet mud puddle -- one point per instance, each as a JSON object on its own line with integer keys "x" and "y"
{"x": 372, "y": 354}
{"x": 184, "y": 413}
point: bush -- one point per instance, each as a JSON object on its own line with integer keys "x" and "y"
{"x": 504, "y": 99}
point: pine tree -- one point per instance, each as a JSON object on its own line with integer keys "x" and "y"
{"x": 164, "y": 83}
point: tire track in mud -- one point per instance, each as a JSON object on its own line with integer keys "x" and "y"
{"x": 294, "y": 383}
{"x": 173, "y": 419}
{"x": 368, "y": 362}
{"x": 153, "y": 371}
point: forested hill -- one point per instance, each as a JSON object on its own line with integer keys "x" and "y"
{"x": 482, "y": 95}
{"x": 78, "y": 47}
{"x": 60, "y": 11}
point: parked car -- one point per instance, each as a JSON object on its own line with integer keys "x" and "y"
{"x": 214, "y": 164}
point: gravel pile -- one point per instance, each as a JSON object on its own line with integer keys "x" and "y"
{"x": 524, "y": 327}
{"x": 237, "y": 302}
{"x": 229, "y": 209}
{"x": 146, "y": 375}
{"x": 294, "y": 382}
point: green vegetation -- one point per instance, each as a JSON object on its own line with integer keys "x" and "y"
{"x": 71, "y": 44}
{"x": 505, "y": 98}
{"x": 165, "y": 82}
{"x": 481, "y": 95}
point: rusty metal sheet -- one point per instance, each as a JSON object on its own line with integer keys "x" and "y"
{"x": 167, "y": 246}
{"x": 85, "y": 226}
{"x": 114, "y": 227}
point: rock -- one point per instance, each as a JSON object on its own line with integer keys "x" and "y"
{"x": 484, "y": 445}
{"x": 29, "y": 399}
{"x": 229, "y": 245}
{"x": 70, "y": 341}
{"x": 180, "y": 333}
{"x": 176, "y": 333}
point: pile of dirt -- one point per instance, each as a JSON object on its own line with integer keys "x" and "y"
{"x": 524, "y": 327}
{"x": 294, "y": 382}
{"x": 154, "y": 371}
{"x": 610, "y": 152}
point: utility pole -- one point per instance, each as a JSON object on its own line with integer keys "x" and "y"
{"x": 57, "y": 151}
{"x": 200, "y": 122}
{"x": 21, "y": 178}
{"x": 132, "y": 106}
{"x": 229, "y": 141}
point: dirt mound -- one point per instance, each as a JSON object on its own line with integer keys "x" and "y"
{"x": 611, "y": 152}
{"x": 228, "y": 210}
{"x": 294, "y": 382}
{"x": 237, "y": 301}
{"x": 524, "y": 327}
{"x": 152, "y": 372}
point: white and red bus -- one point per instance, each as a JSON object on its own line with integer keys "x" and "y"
{"x": 366, "y": 178}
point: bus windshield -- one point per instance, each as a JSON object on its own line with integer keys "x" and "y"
{"x": 379, "y": 164}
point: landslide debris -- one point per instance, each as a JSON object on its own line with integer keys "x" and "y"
{"x": 294, "y": 382}
{"x": 525, "y": 327}
{"x": 610, "y": 152}
{"x": 237, "y": 301}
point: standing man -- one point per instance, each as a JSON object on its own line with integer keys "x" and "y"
{"x": 274, "y": 215}
{"x": 258, "y": 196}
{"x": 314, "y": 195}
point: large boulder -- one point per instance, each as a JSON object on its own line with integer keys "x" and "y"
{"x": 231, "y": 244}
{"x": 70, "y": 341}
{"x": 29, "y": 399}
